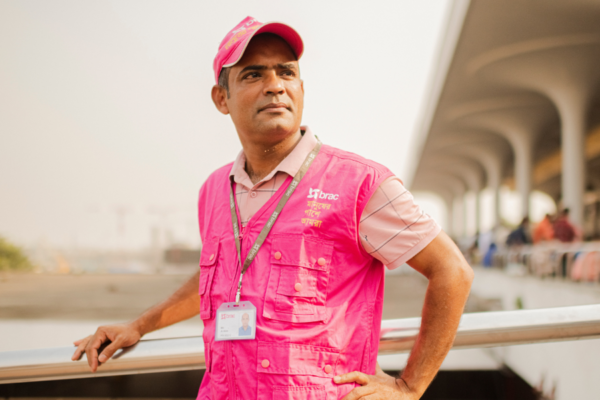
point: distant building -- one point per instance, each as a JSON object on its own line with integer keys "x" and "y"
{"x": 180, "y": 255}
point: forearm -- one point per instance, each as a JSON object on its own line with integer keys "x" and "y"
{"x": 181, "y": 305}
{"x": 445, "y": 299}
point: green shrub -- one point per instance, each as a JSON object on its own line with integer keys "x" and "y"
{"x": 12, "y": 257}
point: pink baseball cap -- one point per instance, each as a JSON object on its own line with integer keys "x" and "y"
{"x": 233, "y": 46}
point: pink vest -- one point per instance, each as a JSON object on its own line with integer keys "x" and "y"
{"x": 329, "y": 326}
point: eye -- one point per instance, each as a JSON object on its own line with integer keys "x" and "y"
{"x": 288, "y": 72}
{"x": 251, "y": 75}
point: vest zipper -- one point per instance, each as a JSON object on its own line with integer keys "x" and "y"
{"x": 232, "y": 395}
{"x": 229, "y": 344}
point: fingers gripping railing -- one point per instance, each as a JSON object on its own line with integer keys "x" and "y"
{"x": 487, "y": 329}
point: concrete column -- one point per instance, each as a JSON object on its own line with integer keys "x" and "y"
{"x": 572, "y": 111}
{"x": 523, "y": 169}
{"x": 451, "y": 188}
{"x": 465, "y": 215}
{"x": 458, "y": 219}
{"x": 497, "y": 206}
{"x": 478, "y": 211}
{"x": 470, "y": 173}
{"x": 449, "y": 216}
{"x": 494, "y": 177}
{"x": 492, "y": 164}
{"x": 470, "y": 212}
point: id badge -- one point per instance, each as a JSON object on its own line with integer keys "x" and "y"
{"x": 236, "y": 322}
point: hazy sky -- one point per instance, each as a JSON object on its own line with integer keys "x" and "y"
{"x": 105, "y": 106}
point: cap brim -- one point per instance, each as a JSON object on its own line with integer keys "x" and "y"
{"x": 284, "y": 31}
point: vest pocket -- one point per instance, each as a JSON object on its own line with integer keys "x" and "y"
{"x": 297, "y": 287}
{"x": 208, "y": 262}
{"x": 292, "y": 371}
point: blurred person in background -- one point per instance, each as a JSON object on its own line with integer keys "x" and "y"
{"x": 564, "y": 230}
{"x": 520, "y": 235}
{"x": 544, "y": 231}
{"x": 473, "y": 252}
{"x": 488, "y": 258}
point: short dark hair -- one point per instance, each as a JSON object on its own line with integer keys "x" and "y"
{"x": 224, "y": 79}
{"x": 224, "y": 74}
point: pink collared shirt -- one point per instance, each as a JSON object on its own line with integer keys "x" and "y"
{"x": 393, "y": 229}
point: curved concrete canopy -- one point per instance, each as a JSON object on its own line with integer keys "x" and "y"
{"x": 515, "y": 67}
{"x": 487, "y": 157}
{"x": 551, "y": 46}
{"x": 470, "y": 171}
{"x": 438, "y": 180}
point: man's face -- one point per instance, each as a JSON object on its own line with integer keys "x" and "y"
{"x": 266, "y": 93}
{"x": 245, "y": 320}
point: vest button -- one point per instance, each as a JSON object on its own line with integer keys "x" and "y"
{"x": 327, "y": 369}
{"x": 322, "y": 261}
{"x": 212, "y": 256}
{"x": 298, "y": 287}
{"x": 265, "y": 363}
{"x": 277, "y": 256}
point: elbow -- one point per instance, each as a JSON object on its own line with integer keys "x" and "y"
{"x": 466, "y": 276}
{"x": 458, "y": 275}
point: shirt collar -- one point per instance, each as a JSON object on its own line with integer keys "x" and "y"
{"x": 290, "y": 164}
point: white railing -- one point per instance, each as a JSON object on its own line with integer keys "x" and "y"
{"x": 488, "y": 329}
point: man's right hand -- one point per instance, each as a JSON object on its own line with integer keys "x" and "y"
{"x": 181, "y": 305}
{"x": 118, "y": 337}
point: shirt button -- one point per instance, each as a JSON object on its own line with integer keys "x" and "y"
{"x": 265, "y": 363}
{"x": 322, "y": 261}
{"x": 253, "y": 194}
{"x": 298, "y": 287}
{"x": 212, "y": 256}
{"x": 327, "y": 369}
{"x": 277, "y": 256}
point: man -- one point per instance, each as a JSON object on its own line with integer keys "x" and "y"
{"x": 544, "y": 231}
{"x": 564, "y": 230}
{"x": 317, "y": 226}
{"x": 520, "y": 235}
{"x": 245, "y": 329}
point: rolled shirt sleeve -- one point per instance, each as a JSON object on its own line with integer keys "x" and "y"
{"x": 393, "y": 229}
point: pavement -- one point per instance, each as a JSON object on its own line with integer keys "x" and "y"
{"x": 47, "y": 310}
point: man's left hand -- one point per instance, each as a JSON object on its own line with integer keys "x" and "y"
{"x": 376, "y": 387}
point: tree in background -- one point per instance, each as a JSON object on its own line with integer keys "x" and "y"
{"x": 12, "y": 257}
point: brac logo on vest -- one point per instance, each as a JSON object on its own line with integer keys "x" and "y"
{"x": 318, "y": 194}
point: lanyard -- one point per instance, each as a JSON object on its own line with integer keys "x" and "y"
{"x": 267, "y": 228}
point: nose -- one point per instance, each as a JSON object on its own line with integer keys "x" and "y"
{"x": 273, "y": 84}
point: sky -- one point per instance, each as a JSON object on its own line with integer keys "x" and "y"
{"x": 107, "y": 129}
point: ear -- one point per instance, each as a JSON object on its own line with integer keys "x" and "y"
{"x": 219, "y": 97}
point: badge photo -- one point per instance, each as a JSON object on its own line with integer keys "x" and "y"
{"x": 236, "y": 322}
